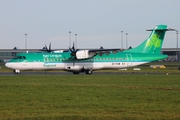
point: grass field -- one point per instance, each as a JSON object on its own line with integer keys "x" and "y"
{"x": 125, "y": 96}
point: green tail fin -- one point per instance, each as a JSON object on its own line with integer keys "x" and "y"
{"x": 153, "y": 43}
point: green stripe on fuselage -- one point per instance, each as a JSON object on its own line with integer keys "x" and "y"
{"x": 112, "y": 57}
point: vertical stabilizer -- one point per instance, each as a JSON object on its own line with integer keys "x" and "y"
{"x": 153, "y": 43}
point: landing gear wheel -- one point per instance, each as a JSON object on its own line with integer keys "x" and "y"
{"x": 89, "y": 72}
{"x": 16, "y": 71}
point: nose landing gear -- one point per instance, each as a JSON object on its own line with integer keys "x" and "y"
{"x": 16, "y": 71}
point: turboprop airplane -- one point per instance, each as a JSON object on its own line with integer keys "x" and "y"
{"x": 87, "y": 61}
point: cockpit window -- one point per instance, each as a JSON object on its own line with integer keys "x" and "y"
{"x": 19, "y": 57}
{"x": 16, "y": 57}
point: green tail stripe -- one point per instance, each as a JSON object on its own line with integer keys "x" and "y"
{"x": 153, "y": 43}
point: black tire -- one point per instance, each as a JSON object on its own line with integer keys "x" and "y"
{"x": 89, "y": 72}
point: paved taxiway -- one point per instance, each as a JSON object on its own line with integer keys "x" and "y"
{"x": 57, "y": 73}
{"x": 34, "y": 73}
{"x": 50, "y": 73}
{"x": 70, "y": 73}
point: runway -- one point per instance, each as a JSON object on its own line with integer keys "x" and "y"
{"x": 51, "y": 73}
{"x": 34, "y": 73}
{"x": 70, "y": 73}
{"x": 62, "y": 73}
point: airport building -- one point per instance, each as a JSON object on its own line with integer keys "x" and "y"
{"x": 7, "y": 54}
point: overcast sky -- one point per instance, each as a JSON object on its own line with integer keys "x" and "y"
{"x": 96, "y": 22}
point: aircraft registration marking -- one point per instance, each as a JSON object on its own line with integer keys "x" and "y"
{"x": 118, "y": 63}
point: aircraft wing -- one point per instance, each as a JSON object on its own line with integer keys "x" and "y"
{"x": 89, "y": 53}
{"x": 103, "y": 51}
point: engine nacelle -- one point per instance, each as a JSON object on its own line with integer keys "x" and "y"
{"x": 84, "y": 54}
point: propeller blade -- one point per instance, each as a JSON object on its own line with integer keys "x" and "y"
{"x": 73, "y": 47}
{"x": 73, "y": 54}
{"x": 70, "y": 49}
{"x": 73, "y": 62}
{"x": 45, "y": 48}
{"x": 50, "y": 47}
{"x": 73, "y": 50}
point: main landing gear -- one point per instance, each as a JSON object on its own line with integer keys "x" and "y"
{"x": 16, "y": 71}
{"x": 89, "y": 72}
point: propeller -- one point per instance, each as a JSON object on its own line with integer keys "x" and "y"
{"x": 73, "y": 53}
{"x": 101, "y": 47}
{"x": 45, "y": 48}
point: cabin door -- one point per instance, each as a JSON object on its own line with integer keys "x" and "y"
{"x": 129, "y": 60}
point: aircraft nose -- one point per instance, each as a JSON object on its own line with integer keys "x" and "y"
{"x": 8, "y": 65}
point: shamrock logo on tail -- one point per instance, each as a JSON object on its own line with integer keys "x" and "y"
{"x": 154, "y": 41}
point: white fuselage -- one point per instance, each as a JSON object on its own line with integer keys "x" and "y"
{"x": 70, "y": 65}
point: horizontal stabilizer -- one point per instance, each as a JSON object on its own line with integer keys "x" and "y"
{"x": 159, "y": 29}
